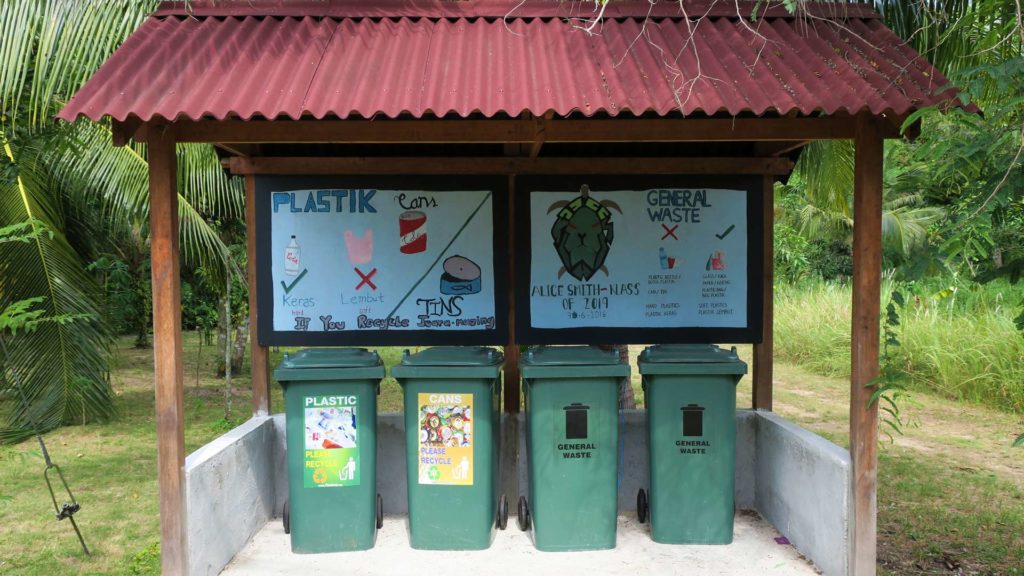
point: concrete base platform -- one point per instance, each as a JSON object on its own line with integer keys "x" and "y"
{"x": 753, "y": 551}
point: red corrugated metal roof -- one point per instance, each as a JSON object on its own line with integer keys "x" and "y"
{"x": 506, "y": 8}
{"x": 254, "y": 66}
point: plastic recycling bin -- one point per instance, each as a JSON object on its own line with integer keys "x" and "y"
{"x": 452, "y": 399}
{"x": 690, "y": 394}
{"x": 330, "y": 397}
{"x": 572, "y": 400}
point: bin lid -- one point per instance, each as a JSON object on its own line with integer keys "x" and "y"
{"x": 327, "y": 364}
{"x": 690, "y": 359}
{"x": 572, "y": 362}
{"x": 450, "y": 362}
{"x": 330, "y": 358}
{"x": 570, "y": 356}
{"x": 453, "y": 356}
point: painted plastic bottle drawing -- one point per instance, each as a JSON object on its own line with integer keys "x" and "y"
{"x": 291, "y": 258}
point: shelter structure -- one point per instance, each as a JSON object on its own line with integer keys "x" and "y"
{"x": 512, "y": 89}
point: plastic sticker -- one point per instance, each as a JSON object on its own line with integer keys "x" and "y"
{"x": 331, "y": 456}
{"x": 446, "y": 439}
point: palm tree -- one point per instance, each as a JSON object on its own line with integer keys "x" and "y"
{"x": 827, "y": 212}
{"x": 91, "y": 196}
{"x": 953, "y": 35}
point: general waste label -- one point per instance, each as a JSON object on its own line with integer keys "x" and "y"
{"x": 578, "y": 429}
{"x": 445, "y": 439}
{"x": 331, "y": 455}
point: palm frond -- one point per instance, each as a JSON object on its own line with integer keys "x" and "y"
{"x": 118, "y": 179}
{"x": 60, "y": 366}
{"x": 49, "y": 49}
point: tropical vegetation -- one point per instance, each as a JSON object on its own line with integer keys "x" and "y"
{"x": 93, "y": 200}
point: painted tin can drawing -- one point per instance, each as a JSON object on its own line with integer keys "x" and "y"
{"x": 412, "y": 227}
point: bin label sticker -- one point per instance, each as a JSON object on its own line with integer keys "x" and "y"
{"x": 446, "y": 439}
{"x": 331, "y": 456}
{"x": 577, "y": 432}
{"x": 693, "y": 431}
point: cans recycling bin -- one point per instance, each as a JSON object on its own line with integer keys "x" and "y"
{"x": 452, "y": 399}
{"x": 690, "y": 394}
{"x": 330, "y": 397}
{"x": 572, "y": 404}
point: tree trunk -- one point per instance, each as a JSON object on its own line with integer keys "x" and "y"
{"x": 241, "y": 339}
{"x": 222, "y": 336}
{"x": 628, "y": 399}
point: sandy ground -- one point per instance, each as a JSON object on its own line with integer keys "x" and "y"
{"x": 753, "y": 551}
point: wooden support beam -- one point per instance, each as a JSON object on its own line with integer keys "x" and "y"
{"x": 538, "y": 140}
{"x": 245, "y": 150}
{"x": 260, "y": 354}
{"x": 767, "y": 149}
{"x": 123, "y": 131}
{"x": 867, "y": 280}
{"x": 763, "y": 353}
{"x": 520, "y": 131}
{"x": 509, "y": 165}
{"x": 511, "y": 388}
{"x": 167, "y": 350}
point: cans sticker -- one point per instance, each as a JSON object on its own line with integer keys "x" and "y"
{"x": 445, "y": 439}
{"x": 331, "y": 455}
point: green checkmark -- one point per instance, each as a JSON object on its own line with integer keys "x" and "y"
{"x": 288, "y": 287}
{"x": 726, "y": 233}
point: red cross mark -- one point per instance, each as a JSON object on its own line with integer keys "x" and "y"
{"x": 366, "y": 279}
{"x": 670, "y": 231}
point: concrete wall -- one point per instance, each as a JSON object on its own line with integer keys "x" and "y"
{"x": 803, "y": 489}
{"x": 796, "y": 480}
{"x": 230, "y": 492}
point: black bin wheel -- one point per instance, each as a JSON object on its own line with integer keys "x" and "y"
{"x": 524, "y": 514}
{"x": 380, "y": 512}
{"x": 642, "y": 507}
{"x": 286, "y": 518}
{"x": 502, "y": 521}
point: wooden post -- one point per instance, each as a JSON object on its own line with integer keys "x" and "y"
{"x": 260, "y": 354}
{"x": 763, "y": 352}
{"x": 511, "y": 399}
{"x": 867, "y": 277}
{"x": 167, "y": 349}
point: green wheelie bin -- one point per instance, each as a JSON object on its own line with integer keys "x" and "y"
{"x": 690, "y": 394}
{"x": 572, "y": 403}
{"x": 451, "y": 401}
{"x": 330, "y": 397}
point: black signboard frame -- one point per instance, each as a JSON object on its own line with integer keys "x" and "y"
{"x": 267, "y": 336}
{"x": 526, "y": 333}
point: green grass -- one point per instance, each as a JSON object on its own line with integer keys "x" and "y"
{"x": 934, "y": 516}
{"x": 112, "y": 471}
{"x": 962, "y": 344}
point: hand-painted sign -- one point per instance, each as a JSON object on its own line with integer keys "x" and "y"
{"x": 639, "y": 260}
{"x": 380, "y": 261}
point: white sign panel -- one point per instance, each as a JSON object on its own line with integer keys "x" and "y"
{"x": 652, "y": 258}
{"x": 369, "y": 260}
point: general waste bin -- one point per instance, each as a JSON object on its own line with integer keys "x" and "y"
{"x": 572, "y": 400}
{"x": 690, "y": 394}
{"x": 452, "y": 437}
{"x": 330, "y": 397}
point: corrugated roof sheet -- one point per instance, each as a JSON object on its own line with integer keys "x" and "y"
{"x": 276, "y": 67}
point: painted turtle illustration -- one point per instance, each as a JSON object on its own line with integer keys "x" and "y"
{"x": 583, "y": 233}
